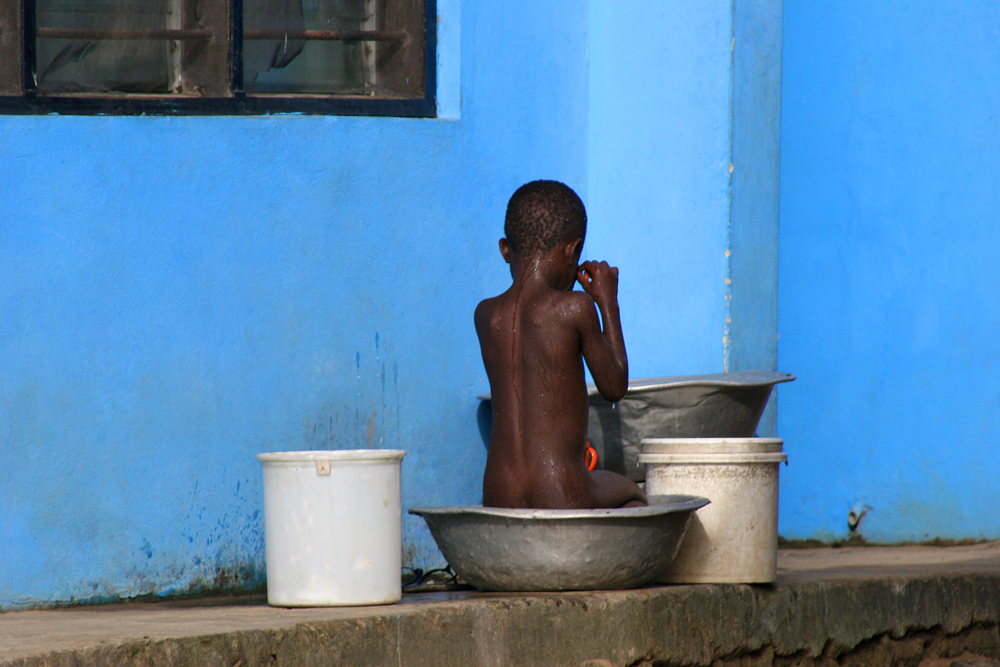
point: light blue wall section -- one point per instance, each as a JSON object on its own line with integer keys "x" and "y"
{"x": 888, "y": 255}
{"x": 658, "y": 180}
{"x": 677, "y": 91}
{"x": 179, "y": 294}
{"x": 752, "y": 332}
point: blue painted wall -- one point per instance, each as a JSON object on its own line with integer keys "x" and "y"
{"x": 679, "y": 93}
{"x": 888, "y": 269}
{"x": 658, "y": 179}
{"x": 180, "y": 294}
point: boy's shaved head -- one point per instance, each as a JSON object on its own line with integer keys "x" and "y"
{"x": 540, "y": 214}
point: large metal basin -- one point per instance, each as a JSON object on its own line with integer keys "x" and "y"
{"x": 723, "y": 405}
{"x": 499, "y": 549}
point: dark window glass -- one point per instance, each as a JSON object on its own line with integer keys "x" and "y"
{"x": 105, "y": 46}
{"x": 217, "y": 56}
{"x": 287, "y": 46}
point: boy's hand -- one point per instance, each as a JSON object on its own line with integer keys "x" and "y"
{"x": 600, "y": 281}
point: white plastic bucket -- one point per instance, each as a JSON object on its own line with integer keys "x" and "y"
{"x": 735, "y": 539}
{"x": 332, "y": 532}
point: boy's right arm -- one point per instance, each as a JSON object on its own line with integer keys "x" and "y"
{"x": 603, "y": 350}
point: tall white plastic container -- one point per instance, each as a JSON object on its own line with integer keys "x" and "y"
{"x": 734, "y": 539}
{"x": 332, "y": 533}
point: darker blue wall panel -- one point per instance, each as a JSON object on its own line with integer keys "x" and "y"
{"x": 888, "y": 305}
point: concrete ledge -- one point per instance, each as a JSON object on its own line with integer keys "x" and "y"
{"x": 896, "y": 613}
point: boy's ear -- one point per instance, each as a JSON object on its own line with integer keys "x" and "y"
{"x": 575, "y": 248}
{"x": 505, "y": 250}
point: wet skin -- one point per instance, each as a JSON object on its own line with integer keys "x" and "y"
{"x": 534, "y": 339}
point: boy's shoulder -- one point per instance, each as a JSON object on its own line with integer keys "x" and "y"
{"x": 572, "y": 299}
{"x": 485, "y": 309}
{"x": 489, "y": 304}
{"x": 569, "y": 305}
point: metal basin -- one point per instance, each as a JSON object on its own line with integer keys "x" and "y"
{"x": 499, "y": 549}
{"x": 723, "y": 405}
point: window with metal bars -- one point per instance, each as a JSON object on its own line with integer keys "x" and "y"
{"x": 370, "y": 57}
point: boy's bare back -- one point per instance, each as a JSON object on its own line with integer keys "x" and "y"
{"x": 534, "y": 339}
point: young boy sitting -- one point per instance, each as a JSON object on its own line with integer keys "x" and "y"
{"x": 532, "y": 337}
